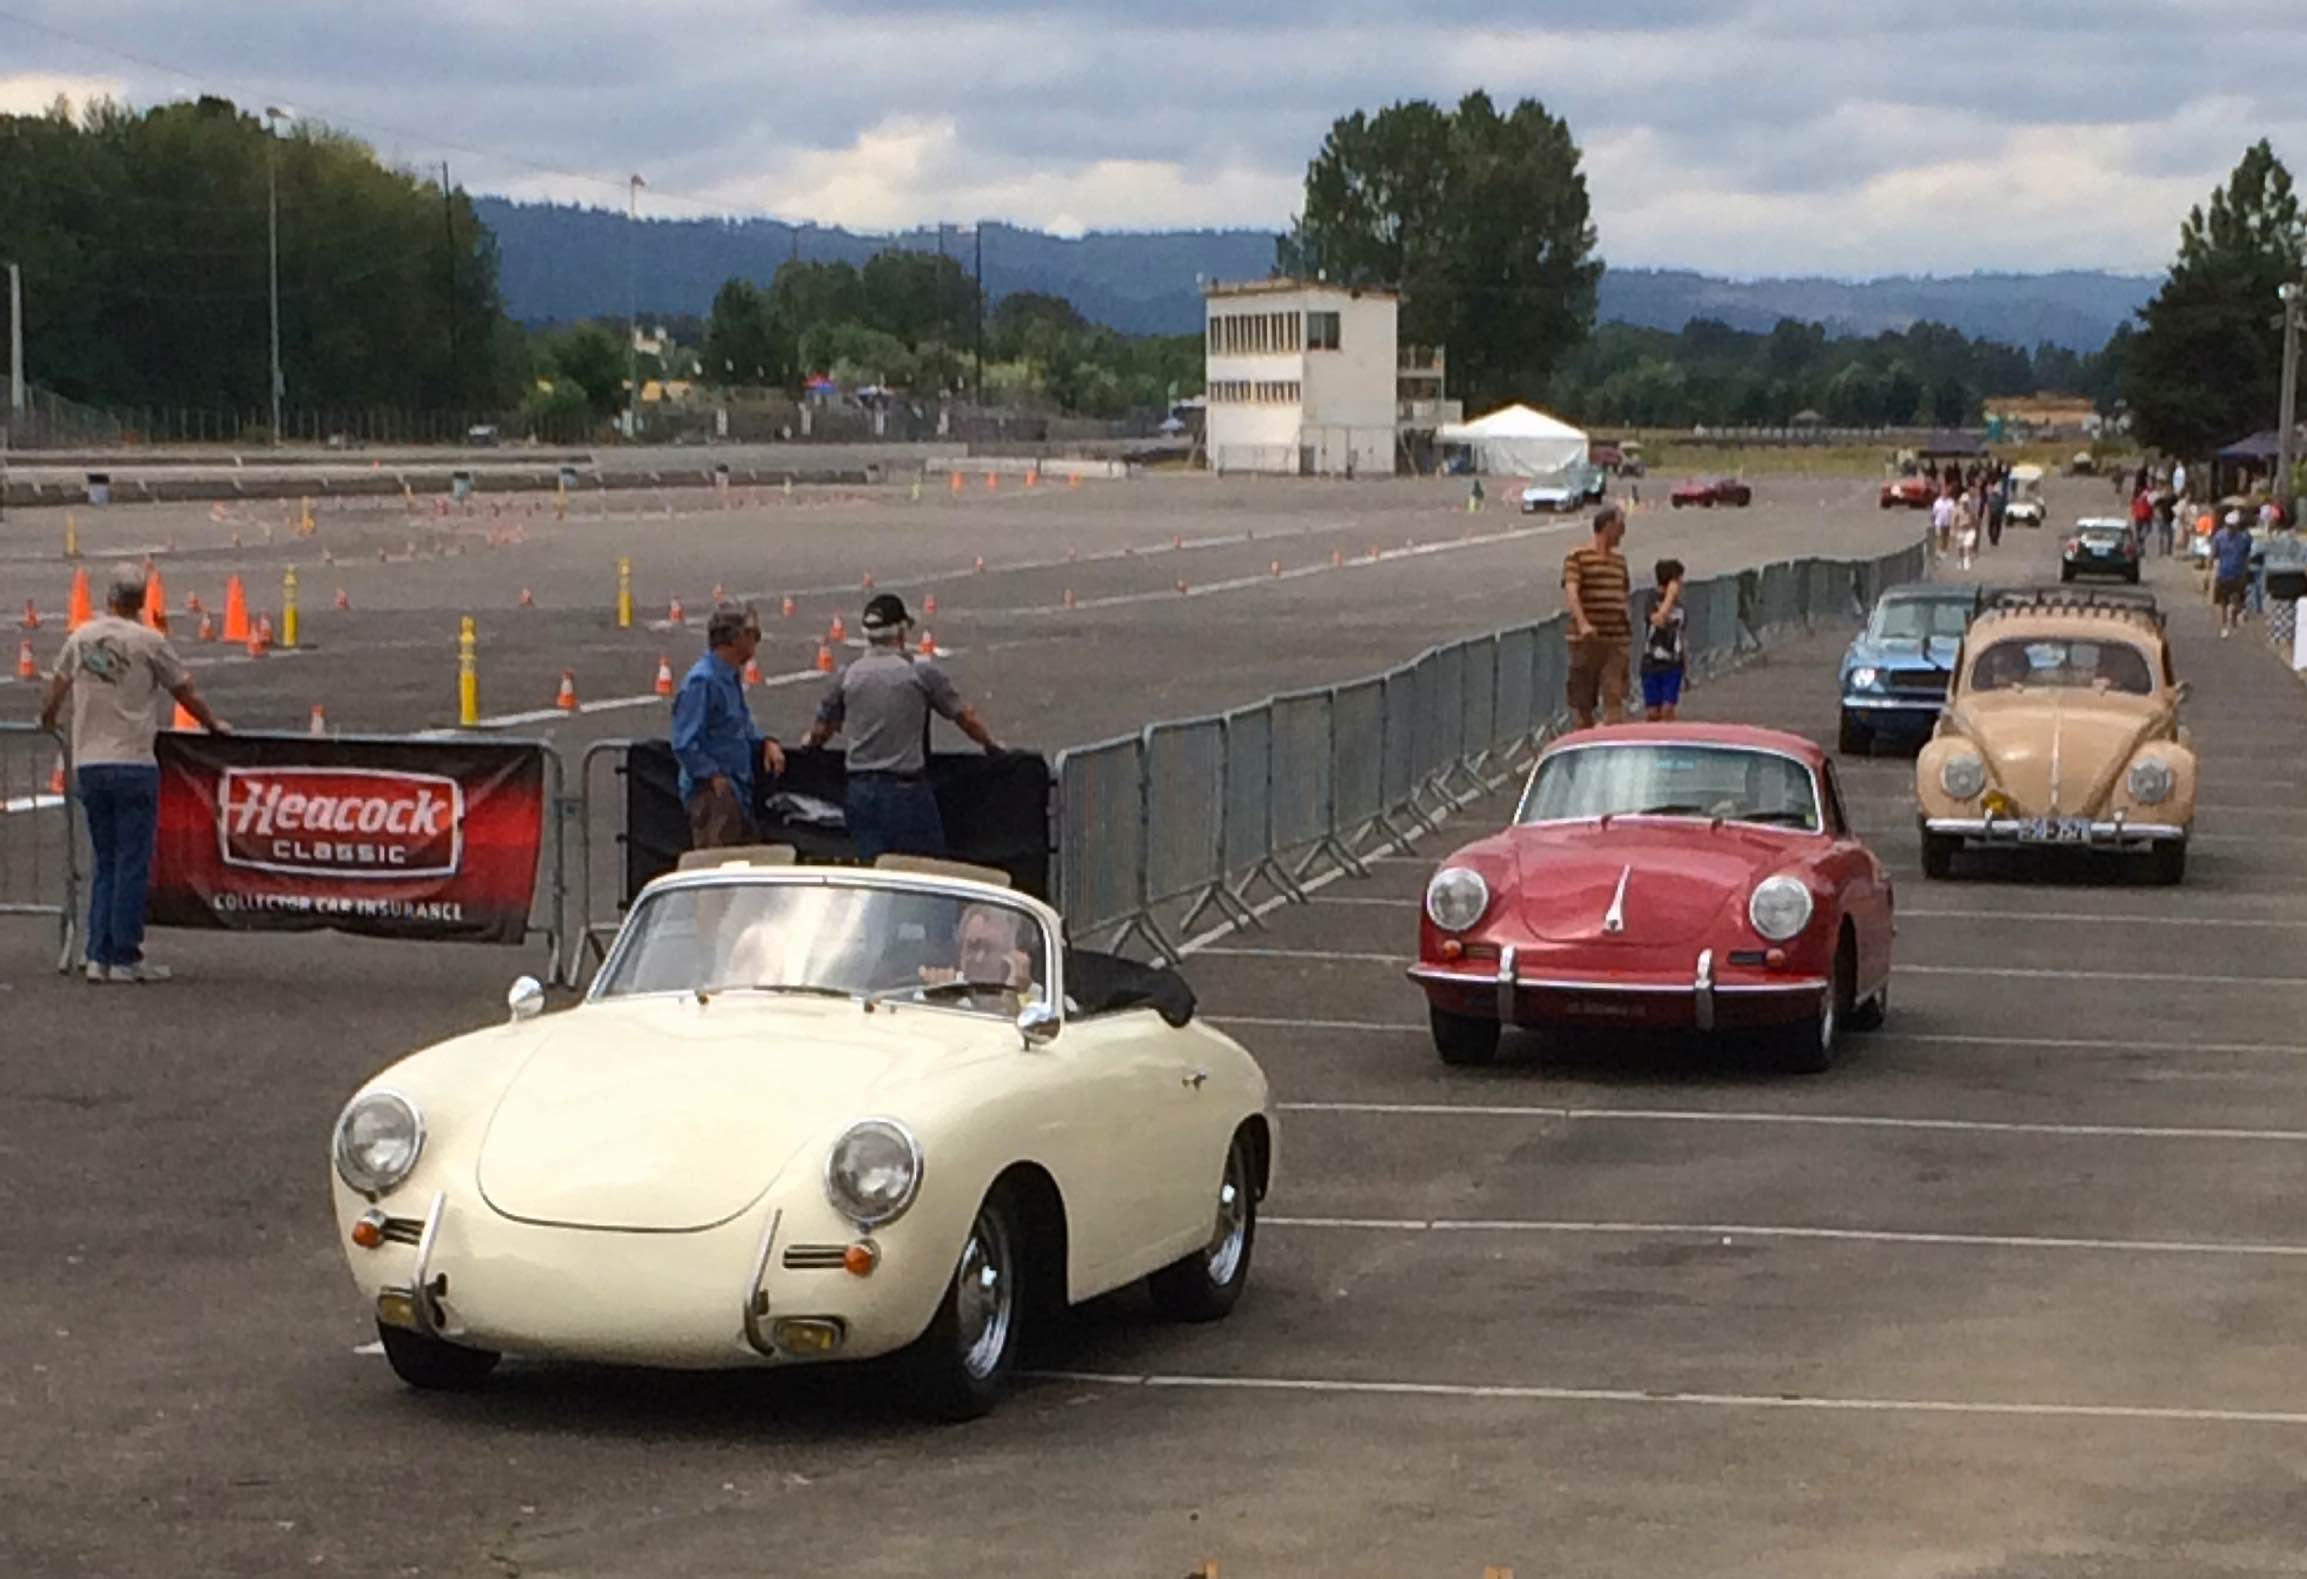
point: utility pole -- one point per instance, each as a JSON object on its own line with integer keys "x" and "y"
{"x": 15, "y": 341}
{"x": 633, "y": 308}
{"x": 2288, "y": 421}
{"x": 979, "y": 398}
{"x": 449, "y": 222}
{"x": 273, "y": 115}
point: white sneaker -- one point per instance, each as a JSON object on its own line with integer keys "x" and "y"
{"x": 144, "y": 970}
{"x": 99, "y": 974}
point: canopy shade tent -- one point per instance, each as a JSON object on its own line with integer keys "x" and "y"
{"x": 1951, "y": 445}
{"x": 2263, "y": 448}
{"x": 1518, "y": 442}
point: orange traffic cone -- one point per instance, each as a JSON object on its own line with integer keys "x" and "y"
{"x": 235, "y": 611}
{"x": 787, "y": 608}
{"x": 838, "y": 632}
{"x": 208, "y": 627}
{"x": 928, "y": 645}
{"x": 182, "y": 718}
{"x": 567, "y": 700}
{"x": 56, "y": 779}
{"x": 343, "y": 602}
{"x": 674, "y": 615}
{"x": 1337, "y": 558}
{"x": 1033, "y": 479}
{"x": 955, "y": 482}
{"x": 77, "y": 611}
{"x": 824, "y": 659}
{"x": 719, "y": 596}
{"x": 27, "y": 667}
{"x": 992, "y": 482}
{"x": 981, "y": 564}
{"x": 319, "y": 724}
{"x": 528, "y": 598}
{"x": 752, "y": 671}
{"x": 1181, "y": 583}
{"x": 1177, "y": 540}
{"x": 31, "y": 616}
{"x": 1073, "y": 479}
{"x": 156, "y": 601}
{"x": 664, "y": 675}
{"x": 260, "y": 639}
{"x": 1276, "y": 567}
{"x": 929, "y": 603}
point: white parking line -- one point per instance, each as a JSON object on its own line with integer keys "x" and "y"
{"x": 2013, "y": 1043}
{"x": 1342, "y": 956}
{"x": 2177, "y": 978}
{"x": 30, "y": 803}
{"x": 1961, "y": 1126}
{"x": 1523, "y": 1393}
{"x": 2084, "y": 916}
{"x": 554, "y": 715}
{"x": 1730, "y": 1231}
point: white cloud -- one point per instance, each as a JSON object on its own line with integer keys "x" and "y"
{"x": 30, "y": 93}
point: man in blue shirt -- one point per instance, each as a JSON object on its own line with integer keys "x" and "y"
{"x": 714, "y": 737}
{"x": 2230, "y": 571}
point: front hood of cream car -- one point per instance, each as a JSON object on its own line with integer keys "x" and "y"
{"x": 666, "y": 1115}
{"x": 2057, "y": 752}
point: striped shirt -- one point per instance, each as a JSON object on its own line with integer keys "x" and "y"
{"x": 1595, "y": 578}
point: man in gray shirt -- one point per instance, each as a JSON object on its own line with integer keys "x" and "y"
{"x": 882, "y": 702}
{"x": 116, "y": 672}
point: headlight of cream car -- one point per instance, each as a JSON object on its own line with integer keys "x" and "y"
{"x": 2151, "y": 781}
{"x": 1963, "y": 777}
{"x": 1780, "y": 908}
{"x": 379, "y": 1137}
{"x": 873, "y": 1172}
{"x": 1456, "y": 898}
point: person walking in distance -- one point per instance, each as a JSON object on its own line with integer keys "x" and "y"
{"x": 1595, "y": 589}
{"x": 1943, "y": 520}
{"x": 883, "y": 703}
{"x": 115, "y": 670}
{"x": 715, "y": 740}
{"x": 2231, "y": 548}
{"x": 1664, "y": 649}
{"x": 1966, "y": 526}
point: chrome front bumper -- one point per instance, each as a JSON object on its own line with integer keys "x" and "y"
{"x": 1508, "y": 987}
{"x": 2009, "y": 832}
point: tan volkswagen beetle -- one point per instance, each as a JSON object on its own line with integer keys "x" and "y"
{"x": 2061, "y": 729}
{"x": 807, "y": 1114}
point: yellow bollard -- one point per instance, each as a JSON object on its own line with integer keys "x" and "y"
{"x": 468, "y": 677}
{"x": 304, "y": 523}
{"x": 561, "y": 502}
{"x": 624, "y": 594}
{"x": 916, "y": 490}
{"x": 71, "y": 535}
{"x": 288, "y": 608}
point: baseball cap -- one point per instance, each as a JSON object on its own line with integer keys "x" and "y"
{"x": 885, "y": 612}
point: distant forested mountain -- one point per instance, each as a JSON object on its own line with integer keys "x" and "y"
{"x": 561, "y": 262}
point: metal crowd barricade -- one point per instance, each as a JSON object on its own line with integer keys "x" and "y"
{"x": 1434, "y": 704}
{"x": 1553, "y": 673}
{"x": 1304, "y": 813}
{"x": 1514, "y": 721}
{"x": 1478, "y": 709}
{"x": 1781, "y": 599}
{"x": 1246, "y": 839}
{"x": 1101, "y": 841}
{"x": 1357, "y": 761}
{"x": 1398, "y": 757}
{"x": 1185, "y": 805}
{"x": 589, "y": 943}
{"x": 39, "y": 850}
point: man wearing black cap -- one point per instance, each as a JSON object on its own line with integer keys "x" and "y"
{"x": 882, "y": 702}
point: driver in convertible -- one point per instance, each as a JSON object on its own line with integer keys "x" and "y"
{"x": 994, "y": 958}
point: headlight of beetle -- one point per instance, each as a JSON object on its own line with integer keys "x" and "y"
{"x": 379, "y": 1137}
{"x": 1456, "y": 898}
{"x": 873, "y": 1172}
{"x": 1863, "y": 677}
{"x": 1780, "y": 908}
{"x": 1963, "y": 777}
{"x": 2151, "y": 781}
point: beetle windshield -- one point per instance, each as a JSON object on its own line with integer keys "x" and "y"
{"x": 1631, "y": 780}
{"x": 851, "y": 940}
{"x": 1913, "y": 619}
{"x": 2070, "y": 665}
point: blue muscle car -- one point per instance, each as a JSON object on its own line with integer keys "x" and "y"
{"x": 1894, "y": 677}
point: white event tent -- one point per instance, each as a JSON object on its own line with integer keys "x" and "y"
{"x": 1516, "y": 441}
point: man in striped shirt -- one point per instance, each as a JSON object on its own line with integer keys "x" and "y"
{"x": 1595, "y": 590}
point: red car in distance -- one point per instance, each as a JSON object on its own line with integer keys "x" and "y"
{"x": 1663, "y": 877}
{"x": 1706, "y": 495}
{"x": 1916, "y": 493}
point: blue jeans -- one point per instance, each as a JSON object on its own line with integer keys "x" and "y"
{"x": 121, "y": 801}
{"x": 894, "y": 815}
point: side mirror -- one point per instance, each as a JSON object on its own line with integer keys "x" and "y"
{"x": 525, "y": 999}
{"x": 1039, "y": 1024}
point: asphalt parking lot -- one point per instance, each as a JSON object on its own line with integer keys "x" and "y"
{"x": 2014, "y": 1291}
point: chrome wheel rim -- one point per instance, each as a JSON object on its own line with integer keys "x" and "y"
{"x": 1230, "y": 1236}
{"x": 984, "y": 1296}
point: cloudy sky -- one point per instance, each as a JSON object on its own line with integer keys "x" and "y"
{"x": 1747, "y": 137}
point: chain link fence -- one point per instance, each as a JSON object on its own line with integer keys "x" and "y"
{"x": 1159, "y": 831}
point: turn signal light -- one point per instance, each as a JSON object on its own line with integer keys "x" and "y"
{"x": 1453, "y": 949}
{"x": 1775, "y": 958}
{"x": 368, "y": 1230}
{"x": 861, "y": 1258}
{"x": 807, "y": 1335}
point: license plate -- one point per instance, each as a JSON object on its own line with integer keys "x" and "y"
{"x": 2054, "y": 830}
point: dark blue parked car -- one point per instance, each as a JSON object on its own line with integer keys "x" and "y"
{"x": 1894, "y": 677}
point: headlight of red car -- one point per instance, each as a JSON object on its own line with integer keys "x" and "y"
{"x": 1456, "y": 898}
{"x": 1780, "y": 907}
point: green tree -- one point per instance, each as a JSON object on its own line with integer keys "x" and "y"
{"x": 1481, "y": 221}
{"x": 917, "y": 296}
{"x": 2203, "y": 369}
{"x": 589, "y": 359}
{"x": 806, "y": 296}
{"x": 741, "y": 345}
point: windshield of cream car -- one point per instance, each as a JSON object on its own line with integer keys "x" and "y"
{"x": 1728, "y": 782}
{"x": 831, "y": 939}
{"x": 2063, "y": 664}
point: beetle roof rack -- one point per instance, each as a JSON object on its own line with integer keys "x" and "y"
{"x": 2135, "y": 601}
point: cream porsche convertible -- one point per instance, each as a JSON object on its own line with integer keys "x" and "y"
{"x": 807, "y": 1114}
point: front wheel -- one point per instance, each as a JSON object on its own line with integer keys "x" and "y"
{"x": 1938, "y": 855}
{"x": 1812, "y": 1042}
{"x": 431, "y": 1365}
{"x": 2167, "y": 863}
{"x": 1462, "y": 1040}
{"x": 1854, "y": 737}
{"x": 962, "y": 1365}
{"x": 1203, "y": 1286}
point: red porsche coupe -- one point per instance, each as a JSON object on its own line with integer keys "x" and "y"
{"x": 1706, "y": 495}
{"x": 1663, "y": 876}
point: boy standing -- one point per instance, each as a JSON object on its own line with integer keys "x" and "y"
{"x": 1665, "y": 649}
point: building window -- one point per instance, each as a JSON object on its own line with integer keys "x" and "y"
{"x": 1321, "y": 331}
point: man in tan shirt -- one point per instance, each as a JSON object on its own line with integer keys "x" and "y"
{"x": 1595, "y": 590}
{"x": 116, "y": 671}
